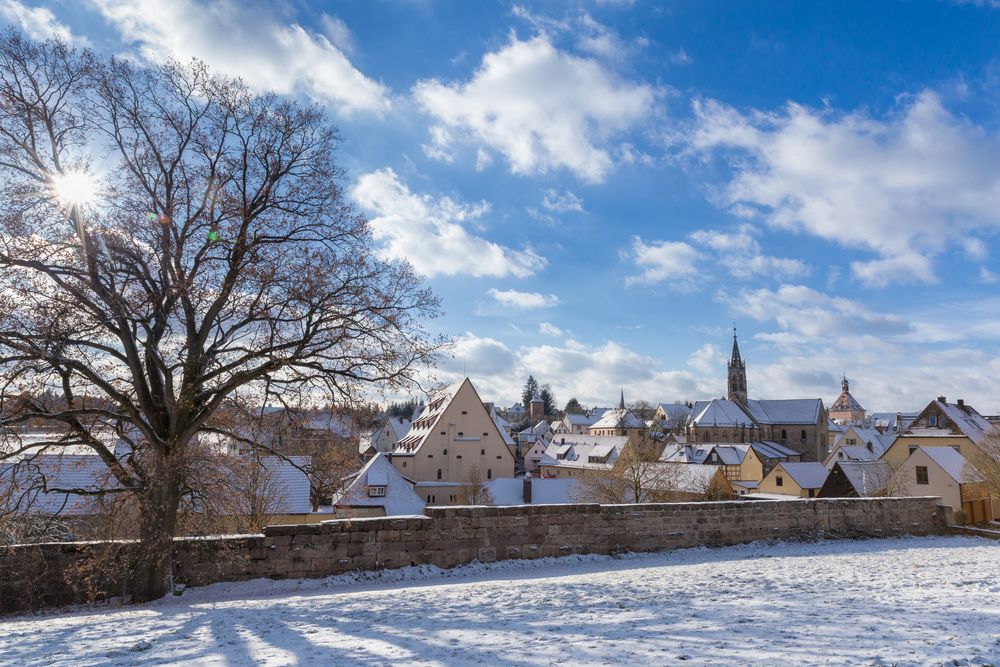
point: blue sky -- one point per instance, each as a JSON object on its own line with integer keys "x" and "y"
{"x": 599, "y": 190}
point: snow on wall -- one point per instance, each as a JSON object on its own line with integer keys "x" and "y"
{"x": 450, "y": 536}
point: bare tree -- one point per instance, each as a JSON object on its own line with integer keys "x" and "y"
{"x": 631, "y": 478}
{"x": 215, "y": 262}
{"x": 474, "y": 491}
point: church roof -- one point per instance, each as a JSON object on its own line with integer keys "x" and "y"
{"x": 846, "y": 403}
{"x": 719, "y": 412}
{"x": 786, "y": 411}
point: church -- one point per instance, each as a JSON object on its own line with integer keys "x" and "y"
{"x": 799, "y": 424}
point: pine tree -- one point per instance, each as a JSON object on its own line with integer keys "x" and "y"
{"x": 530, "y": 389}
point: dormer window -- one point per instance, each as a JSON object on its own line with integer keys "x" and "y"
{"x": 376, "y": 491}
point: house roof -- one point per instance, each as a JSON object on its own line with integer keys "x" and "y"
{"x": 846, "y": 403}
{"x": 685, "y": 477}
{"x": 290, "y": 484}
{"x": 867, "y": 477}
{"x": 578, "y": 448}
{"x": 769, "y": 449}
{"x": 618, "y": 418}
{"x": 786, "y": 411}
{"x": 399, "y": 499}
{"x": 719, "y": 412}
{"x": 953, "y": 464}
{"x": 808, "y": 475}
{"x": 544, "y": 491}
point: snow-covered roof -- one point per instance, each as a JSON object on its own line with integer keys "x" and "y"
{"x": 544, "y": 491}
{"x": 968, "y": 421}
{"x": 289, "y": 484}
{"x": 582, "y": 420}
{"x": 399, "y": 499}
{"x": 786, "y": 411}
{"x": 808, "y": 475}
{"x": 577, "y": 450}
{"x": 719, "y": 412}
{"x": 83, "y": 472}
{"x": 953, "y": 464}
{"x": 618, "y": 418}
{"x": 685, "y": 477}
{"x": 846, "y": 403}
{"x": 867, "y": 477}
{"x": 769, "y": 449}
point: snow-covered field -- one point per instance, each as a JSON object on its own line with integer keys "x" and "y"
{"x": 885, "y": 602}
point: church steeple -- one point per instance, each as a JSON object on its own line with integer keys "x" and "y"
{"x": 621, "y": 403}
{"x": 844, "y": 386}
{"x": 737, "y": 374}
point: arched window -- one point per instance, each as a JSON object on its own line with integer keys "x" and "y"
{"x": 489, "y": 473}
{"x": 446, "y": 452}
{"x": 803, "y": 436}
{"x": 784, "y": 435}
{"x": 439, "y": 473}
{"x": 482, "y": 452}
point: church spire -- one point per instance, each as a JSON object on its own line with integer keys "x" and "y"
{"x": 844, "y": 386}
{"x": 621, "y": 403}
{"x": 737, "y": 374}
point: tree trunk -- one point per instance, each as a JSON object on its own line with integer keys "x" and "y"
{"x": 158, "y": 524}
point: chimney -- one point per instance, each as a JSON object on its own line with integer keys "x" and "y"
{"x": 870, "y": 448}
{"x": 961, "y": 402}
{"x": 526, "y": 490}
{"x": 942, "y": 399}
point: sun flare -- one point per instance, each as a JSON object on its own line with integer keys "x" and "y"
{"x": 75, "y": 187}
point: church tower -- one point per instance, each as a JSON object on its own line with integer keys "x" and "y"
{"x": 737, "y": 375}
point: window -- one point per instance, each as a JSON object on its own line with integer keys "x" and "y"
{"x": 779, "y": 480}
{"x": 499, "y": 457}
{"x": 489, "y": 473}
{"x": 933, "y": 420}
{"x": 439, "y": 473}
{"x": 404, "y": 464}
{"x": 852, "y": 441}
{"x": 458, "y": 456}
{"x": 430, "y": 456}
{"x": 803, "y": 436}
{"x": 784, "y": 434}
{"x": 443, "y": 433}
{"x": 465, "y": 412}
{"x": 376, "y": 491}
{"x": 460, "y": 434}
{"x": 812, "y": 493}
{"x": 446, "y": 452}
{"x": 922, "y": 475}
{"x": 482, "y": 452}
{"x": 913, "y": 448}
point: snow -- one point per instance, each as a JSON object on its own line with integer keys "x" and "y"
{"x": 953, "y": 463}
{"x": 399, "y": 498}
{"x": 808, "y": 475}
{"x": 912, "y": 601}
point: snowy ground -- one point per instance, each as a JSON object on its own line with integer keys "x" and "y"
{"x": 885, "y": 602}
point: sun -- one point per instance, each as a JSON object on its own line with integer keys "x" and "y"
{"x": 75, "y": 187}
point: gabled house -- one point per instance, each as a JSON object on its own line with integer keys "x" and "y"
{"x": 452, "y": 441}
{"x": 846, "y": 409}
{"x": 941, "y": 424}
{"x": 803, "y": 480}
{"x": 617, "y": 422}
{"x": 857, "y": 479}
{"x": 568, "y": 456}
{"x": 378, "y": 490}
{"x": 384, "y": 439}
{"x": 856, "y": 443}
{"x": 944, "y": 472}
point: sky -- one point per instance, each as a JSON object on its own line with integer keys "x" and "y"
{"x": 599, "y": 191}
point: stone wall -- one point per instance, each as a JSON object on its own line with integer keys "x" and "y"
{"x": 50, "y": 574}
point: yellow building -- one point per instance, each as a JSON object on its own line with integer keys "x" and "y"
{"x": 803, "y": 480}
{"x": 453, "y": 440}
{"x": 940, "y": 424}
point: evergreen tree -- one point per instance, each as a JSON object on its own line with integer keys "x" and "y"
{"x": 573, "y": 407}
{"x": 550, "y": 400}
{"x": 530, "y": 389}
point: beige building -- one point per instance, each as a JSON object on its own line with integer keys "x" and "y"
{"x": 453, "y": 440}
{"x": 943, "y": 472}
{"x": 803, "y": 480}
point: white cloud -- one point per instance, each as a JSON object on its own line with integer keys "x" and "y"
{"x": 904, "y": 187}
{"x": 987, "y": 276}
{"x": 975, "y": 249}
{"x": 740, "y": 253}
{"x": 594, "y": 374}
{"x": 244, "y": 40}
{"x": 814, "y": 315}
{"x": 562, "y": 202}
{"x": 549, "y": 329}
{"x": 38, "y": 23}
{"x": 674, "y": 261}
{"x": 524, "y": 300}
{"x": 430, "y": 232}
{"x": 680, "y": 57}
{"x": 541, "y": 108}
{"x": 338, "y": 33}
{"x": 707, "y": 359}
